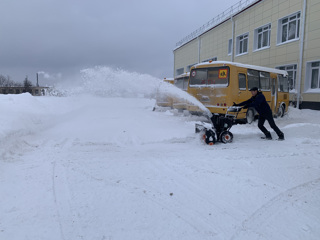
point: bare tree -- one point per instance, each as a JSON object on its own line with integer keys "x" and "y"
{"x": 2, "y": 80}
{"x": 6, "y": 81}
{"x": 27, "y": 84}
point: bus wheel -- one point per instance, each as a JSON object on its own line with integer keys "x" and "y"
{"x": 226, "y": 137}
{"x": 250, "y": 115}
{"x": 281, "y": 111}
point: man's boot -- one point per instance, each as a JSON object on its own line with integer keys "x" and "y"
{"x": 268, "y": 136}
{"x": 281, "y": 137}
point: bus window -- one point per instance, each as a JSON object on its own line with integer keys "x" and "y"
{"x": 182, "y": 83}
{"x": 242, "y": 81}
{"x": 218, "y": 76}
{"x": 264, "y": 81}
{"x": 198, "y": 77}
{"x": 283, "y": 84}
{"x": 253, "y": 78}
{"x": 178, "y": 83}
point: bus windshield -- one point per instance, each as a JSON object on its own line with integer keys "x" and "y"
{"x": 213, "y": 77}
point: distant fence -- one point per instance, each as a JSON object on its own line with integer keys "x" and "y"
{"x": 35, "y": 91}
{"x": 238, "y": 7}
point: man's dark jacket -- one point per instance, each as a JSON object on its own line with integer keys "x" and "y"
{"x": 259, "y": 103}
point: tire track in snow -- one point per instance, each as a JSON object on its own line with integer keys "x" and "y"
{"x": 60, "y": 188}
{"x": 150, "y": 195}
{"x": 205, "y": 199}
{"x": 164, "y": 201}
{"x": 54, "y": 188}
{"x": 274, "y": 206}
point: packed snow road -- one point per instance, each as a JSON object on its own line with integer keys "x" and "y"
{"x": 111, "y": 168}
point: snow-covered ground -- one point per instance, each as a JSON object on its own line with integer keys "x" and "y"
{"x": 99, "y": 164}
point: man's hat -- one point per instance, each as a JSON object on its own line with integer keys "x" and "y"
{"x": 254, "y": 89}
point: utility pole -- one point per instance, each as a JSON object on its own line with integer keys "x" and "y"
{"x": 37, "y": 79}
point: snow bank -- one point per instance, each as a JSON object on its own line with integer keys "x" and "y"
{"x": 19, "y": 113}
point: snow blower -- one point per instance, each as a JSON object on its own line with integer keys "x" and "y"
{"x": 219, "y": 129}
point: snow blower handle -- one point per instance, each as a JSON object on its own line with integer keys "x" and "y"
{"x": 234, "y": 108}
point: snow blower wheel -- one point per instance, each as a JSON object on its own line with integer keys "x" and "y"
{"x": 226, "y": 137}
{"x": 209, "y": 137}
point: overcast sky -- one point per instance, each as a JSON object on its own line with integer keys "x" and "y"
{"x": 65, "y": 36}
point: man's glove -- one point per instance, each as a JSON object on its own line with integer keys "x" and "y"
{"x": 234, "y": 104}
{"x": 245, "y": 107}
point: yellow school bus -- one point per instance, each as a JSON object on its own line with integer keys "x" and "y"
{"x": 181, "y": 81}
{"x": 220, "y": 83}
{"x": 163, "y": 100}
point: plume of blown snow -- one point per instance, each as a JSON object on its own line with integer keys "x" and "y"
{"x": 167, "y": 89}
{"x": 105, "y": 81}
{"x": 109, "y": 82}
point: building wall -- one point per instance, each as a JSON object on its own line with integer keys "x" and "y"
{"x": 214, "y": 43}
{"x": 312, "y": 47}
{"x": 185, "y": 56}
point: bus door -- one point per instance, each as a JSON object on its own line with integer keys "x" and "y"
{"x": 274, "y": 94}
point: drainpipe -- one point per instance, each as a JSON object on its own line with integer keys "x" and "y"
{"x": 232, "y": 47}
{"x": 174, "y": 64}
{"x": 301, "y": 53}
{"x": 199, "y": 49}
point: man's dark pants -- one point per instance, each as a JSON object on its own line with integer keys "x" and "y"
{"x": 269, "y": 118}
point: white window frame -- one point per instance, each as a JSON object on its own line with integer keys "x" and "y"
{"x": 241, "y": 40}
{"x": 291, "y": 68}
{"x": 259, "y": 32}
{"x": 290, "y": 19}
{"x": 308, "y": 79}
{"x": 230, "y": 43}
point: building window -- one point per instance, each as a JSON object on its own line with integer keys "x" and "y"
{"x": 292, "y": 75}
{"x": 179, "y": 71}
{"x": 230, "y": 46}
{"x": 288, "y": 28}
{"x": 313, "y": 80}
{"x": 262, "y": 37}
{"x": 242, "y": 44}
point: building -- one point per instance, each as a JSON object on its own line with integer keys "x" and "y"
{"x": 282, "y": 34}
{"x": 35, "y": 91}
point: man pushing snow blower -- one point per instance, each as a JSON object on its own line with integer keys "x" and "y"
{"x": 258, "y": 101}
{"x": 220, "y": 128}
